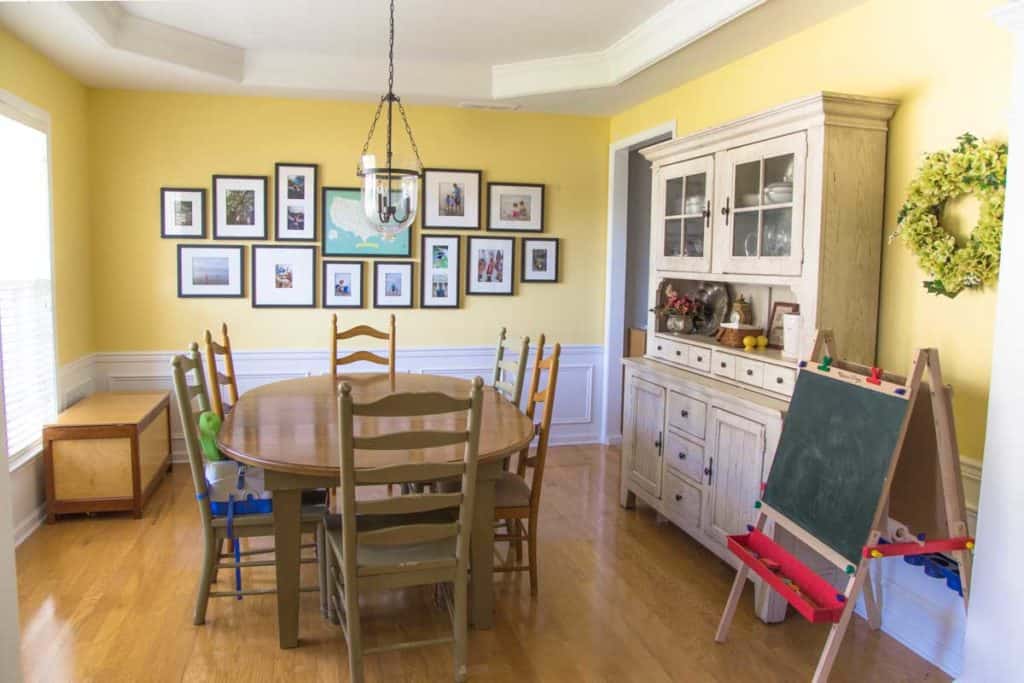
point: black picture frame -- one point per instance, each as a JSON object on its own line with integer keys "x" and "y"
{"x": 455, "y": 282}
{"x": 490, "y": 206}
{"x": 412, "y": 280}
{"x": 470, "y": 269}
{"x": 277, "y": 205}
{"x": 423, "y": 199}
{"x": 558, "y": 257}
{"x": 325, "y": 265}
{"x": 163, "y": 213}
{"x": 241, "y": 272}
{"x": 266, "y": 247}
{"x": 266, "y": 207}
{"x": 352, "y": 254}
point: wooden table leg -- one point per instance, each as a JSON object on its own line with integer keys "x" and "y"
{"x": 287, "y": 536}
{"x": 481, "y": 580}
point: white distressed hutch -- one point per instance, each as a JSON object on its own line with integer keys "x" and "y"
{"x": 785, "y": 205}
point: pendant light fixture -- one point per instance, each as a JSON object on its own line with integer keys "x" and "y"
{"x": 390, "y": 195}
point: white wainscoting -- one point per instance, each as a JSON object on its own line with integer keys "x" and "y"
{"x": 576, "y": 404}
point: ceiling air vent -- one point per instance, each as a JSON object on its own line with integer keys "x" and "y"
{"x": 490, "y": 106}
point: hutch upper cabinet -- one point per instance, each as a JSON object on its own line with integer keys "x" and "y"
{"x": 684, "y": 229}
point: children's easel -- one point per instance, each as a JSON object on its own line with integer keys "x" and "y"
{"x": 851, "y": 436}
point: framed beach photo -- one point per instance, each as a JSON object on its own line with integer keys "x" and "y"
{"x": 183, "y": 212}
{"x": 392, "y": 284}
{"x": 348, "y": 232}
{"x": 283, "y": 277}
{"x": 439, "y": 265}
{"x": 239, "y": 207}
{"x": 295, "y": 202}
{"x": 774, "y": 329}
{"x": 540, "y": 259}
{"x": 490, "y": 265}
{"x": 515, "y": 207}
{"x": 211, "y": 271}
{"x": 451, "y": 199}
{"x": 343, "y": 284}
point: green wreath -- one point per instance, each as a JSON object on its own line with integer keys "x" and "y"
{"x": 974, "y": 167}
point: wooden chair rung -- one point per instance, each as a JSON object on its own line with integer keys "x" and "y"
{"x": 412, "y": 405}
{"x": 362, "y": 331}
{"x": 407, "y": 646}
{"x": 408, "y": 534}
{"x": 408, "y": 504}
{"x": 396, "y": 474}
{"x": 357, "y": 356}
{"x": 401, "y": 440}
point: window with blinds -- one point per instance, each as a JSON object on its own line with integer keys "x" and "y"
{"x": 27, "y": 354}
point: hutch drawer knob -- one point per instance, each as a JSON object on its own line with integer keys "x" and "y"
{"x": 722, "y": 363}
{"x": 750, "y": 373}
{"x": 684, "y": 413}
{"x": 700, "y": 359}
{"x": 679, "y": 497}
{"x": 778, "y": 380}
{"x": 659, "y": 347}
{"x": 682, "y": 456}
{"x": 679, "y": 353}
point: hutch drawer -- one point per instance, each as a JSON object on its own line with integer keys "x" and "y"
{"x": 684, "y": 457}
{"x": 686, "y": 413}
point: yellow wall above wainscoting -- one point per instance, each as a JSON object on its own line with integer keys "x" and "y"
{"x": 34, "y": 78}
{"x": 144, "y": 140}
{"x": 948, "y": 64}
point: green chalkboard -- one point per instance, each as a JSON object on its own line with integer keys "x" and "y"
{"x": 838, "y": 441}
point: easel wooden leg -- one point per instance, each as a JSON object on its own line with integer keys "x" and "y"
{"x": 835, "y": 635}
{"x": 736, "y": 593}
{"x": 871, "y": 604}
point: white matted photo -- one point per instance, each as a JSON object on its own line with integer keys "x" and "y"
{"x": 392, "y": 284}
{"x": 343, "y": 284}
{"x": 451, "y": 199}
{"x": 540, "y": 259}
{"x": 490, "y": 265}
{"x": 515, "y": 207}
{"x": 211, "y": 271}
{"x": 439, "y": 265}
{"x": 295, "y": 201}
{"x": 183, "y": 212}
{"x": 283, "y": 277}
{"x": 239, "y": 207}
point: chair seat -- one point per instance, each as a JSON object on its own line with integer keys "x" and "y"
{"x": 511, "y": 491}
{"x": 386, "y": 559}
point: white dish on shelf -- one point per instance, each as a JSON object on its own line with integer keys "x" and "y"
{"x": 779, "y": 193}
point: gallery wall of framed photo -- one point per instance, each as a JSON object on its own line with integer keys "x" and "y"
{"x": 283, "y": 274}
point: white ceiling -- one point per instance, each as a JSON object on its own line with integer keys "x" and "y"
{"x": 575, "y": 56}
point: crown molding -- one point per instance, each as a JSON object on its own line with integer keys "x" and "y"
{"x": 675, "y": 26}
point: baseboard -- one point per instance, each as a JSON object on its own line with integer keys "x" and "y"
{"x": 28, "y": 525}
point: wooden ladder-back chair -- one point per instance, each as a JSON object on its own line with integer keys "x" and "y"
{"x": 356, "y": 356}
{"x": 412, "y": 540}
{"x": 515, "y": 499}
{"x": 190, "y": 387}
{"x": 513, "y": 367}
{"x": 220, "y": 379}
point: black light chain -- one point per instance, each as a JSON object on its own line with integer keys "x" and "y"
{"x": 408, "y": 131}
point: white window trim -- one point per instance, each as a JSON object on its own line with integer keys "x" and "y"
{"x": 32, "y": 116}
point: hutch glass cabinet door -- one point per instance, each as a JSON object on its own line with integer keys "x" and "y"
{"x": 762, "y": 207}
{"x": 682, "y": 215}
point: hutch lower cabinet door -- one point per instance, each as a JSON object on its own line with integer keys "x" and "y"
{"x": 734, "y": 475}
{"x": 644, "y": 434}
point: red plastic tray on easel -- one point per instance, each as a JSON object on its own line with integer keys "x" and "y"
{"x": 817, "y": 600}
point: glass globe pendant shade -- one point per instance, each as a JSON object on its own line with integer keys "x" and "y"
{"x": 390, "y": 197}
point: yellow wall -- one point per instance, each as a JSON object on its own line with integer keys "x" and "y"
{"x": 32, "y": 77}
{"x": 143, "y": 140}
{"x": 948, "y": 65}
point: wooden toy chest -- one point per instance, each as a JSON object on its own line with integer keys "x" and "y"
{"x": 108, "y": 452}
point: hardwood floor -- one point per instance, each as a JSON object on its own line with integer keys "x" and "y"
{"x": 622, "y": 598}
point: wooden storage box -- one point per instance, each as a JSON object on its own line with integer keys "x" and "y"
{"x": 107, "y": 452}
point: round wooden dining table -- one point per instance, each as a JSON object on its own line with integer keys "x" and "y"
{"x": 290, "y": 429}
